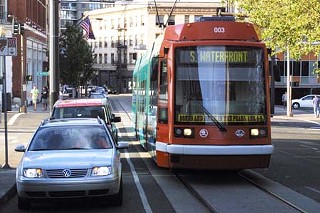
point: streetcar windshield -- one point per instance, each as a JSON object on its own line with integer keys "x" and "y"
{"x": 221, "y": 83}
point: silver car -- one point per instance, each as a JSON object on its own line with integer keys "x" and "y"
{"x": 70, "y": 158}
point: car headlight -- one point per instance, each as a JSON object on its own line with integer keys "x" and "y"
{"x": 33, "y": 173}
{"x": 101, "y": 171}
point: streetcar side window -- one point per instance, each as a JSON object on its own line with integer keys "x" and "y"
{"x": 163, "y": 94}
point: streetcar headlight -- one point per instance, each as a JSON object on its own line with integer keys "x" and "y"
{"x": 187, "y": 132}
{"x": 184, "y": 132}
{"x": 33, "y": 173}
{"x": 258, "y": 132}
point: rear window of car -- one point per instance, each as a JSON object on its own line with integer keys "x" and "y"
{"x": 79, "y": 112}
{"x": 70, "y": 137}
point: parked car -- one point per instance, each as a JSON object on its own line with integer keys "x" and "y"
{"x": 70, "y": 158}
{"x": 305, "y": 101}
{"x": 97, "y": 95}
{"x": 87, "y": 108}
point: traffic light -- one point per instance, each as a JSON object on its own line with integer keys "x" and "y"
{"x": 28, "y": 77}
{"x": 21, "y": 28}
{"x": 16, "y": 27}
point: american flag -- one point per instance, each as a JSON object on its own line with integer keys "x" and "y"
{"x": 86, "y": 26}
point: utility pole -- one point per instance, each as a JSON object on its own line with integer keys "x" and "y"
{"x": 53, "y": 52}
{"x": 289, "y": 95}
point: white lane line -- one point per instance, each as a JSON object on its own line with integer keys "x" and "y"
{"x": 143, "y": 196}
{"x": 13, "y": 119}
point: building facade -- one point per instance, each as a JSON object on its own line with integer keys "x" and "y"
{"x": 126, "y": 30}
{"x": 71, "y": 11}
{"x": 31, "y": 59}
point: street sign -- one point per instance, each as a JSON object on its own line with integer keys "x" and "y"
{"x": 8, "y": 46}
{"x": 42, "y": 73}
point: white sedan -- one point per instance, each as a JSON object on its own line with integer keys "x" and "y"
{"x": 70, "y": 158}
{"x": 305, "y": 101}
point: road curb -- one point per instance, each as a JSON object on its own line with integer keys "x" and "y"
{"x": 8, "y": 193}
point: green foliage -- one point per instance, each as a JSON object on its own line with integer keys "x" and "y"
{"x": 292, "y": 24}
{"x": 76, "y": 57}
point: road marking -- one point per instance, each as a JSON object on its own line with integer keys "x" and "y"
{"x": 312, "y": 189}
{"x": 143, "y": 196}
{"x": 13, "y": 119}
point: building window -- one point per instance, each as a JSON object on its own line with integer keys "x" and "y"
{"x": 131, "y": 41}
{"x": 112, "y": 41}
{"x": 105, "y": 58}
{"x": 105, "y": 42}
{"x": 197, "y": 18}
{"x": 142, "y": 20}
{"x": 100, "y": 58}
{"x": 112, "y": 58}
{"x": 135, "y": 40}
{"x": 186, "y": 18}
{"x": 171, "y": 20}
{"x": 132, "y": 58}
{"x": 100, "y": 43}
{"x": 112, "y": 23}
{"x": 130, "y": 22}
{"x": 159, "y": 20}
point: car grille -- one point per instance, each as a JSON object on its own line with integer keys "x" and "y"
{"x": 67, "y": 173}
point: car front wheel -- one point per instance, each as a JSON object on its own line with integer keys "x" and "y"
{"x": 296, "y": 105}
{"x": 23, "y": 203}
{"x": 117, "y": 198}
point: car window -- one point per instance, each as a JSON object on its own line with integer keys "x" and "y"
{"x": 80, "y": 112}
{"x": 72, "y": 137}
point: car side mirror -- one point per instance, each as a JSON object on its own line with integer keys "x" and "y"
{"x": 122, "y": 145}
{"x": 115, "y": 118}
{"x": 20, "y": 148}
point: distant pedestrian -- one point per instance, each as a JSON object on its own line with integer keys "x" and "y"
{"x": 284, "y": 99}
{"x": 44, "y": 97}
{"x": 34, "y": 96}
{"x": 316, "y": 106}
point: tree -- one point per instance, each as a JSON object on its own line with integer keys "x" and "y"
{"x": 76, "y": 57}
{"x": 292, "y": 24}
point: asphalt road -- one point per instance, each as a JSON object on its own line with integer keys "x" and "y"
{"x": 295, "y": 164}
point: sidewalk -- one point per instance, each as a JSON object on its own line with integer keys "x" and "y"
{"x": 7, "y": 176}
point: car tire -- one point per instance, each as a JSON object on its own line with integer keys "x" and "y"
{"x": 118, "y": 198}
{"x": 295, "y": 105}
{"x": 23, "y": 203}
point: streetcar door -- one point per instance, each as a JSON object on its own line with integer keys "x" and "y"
{"x": 152, "y": 109}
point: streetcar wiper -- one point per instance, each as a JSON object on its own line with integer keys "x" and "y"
{"x": 216, "y": 122}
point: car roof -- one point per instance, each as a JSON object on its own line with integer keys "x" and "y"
{"x": 78, "y": 102}
{"x": 71, "y": 121}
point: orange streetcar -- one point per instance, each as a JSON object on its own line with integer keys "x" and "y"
{"x": 201, "y": 97}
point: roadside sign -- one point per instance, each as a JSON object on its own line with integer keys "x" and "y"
{"x": 8, "y": 46}
{"x": 42, "y": 73}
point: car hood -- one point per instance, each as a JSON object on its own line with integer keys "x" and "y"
{"x": 67, "y": 158}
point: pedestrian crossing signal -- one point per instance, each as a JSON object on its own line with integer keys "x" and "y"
{"x": 28, "y": 77}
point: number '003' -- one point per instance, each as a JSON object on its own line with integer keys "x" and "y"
{"x": 218, "y": 29}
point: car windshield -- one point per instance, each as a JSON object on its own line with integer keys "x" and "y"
{"x": 220, "y": 84}
{"x": 79, "y": 112}
{"x": 70, "y": 137}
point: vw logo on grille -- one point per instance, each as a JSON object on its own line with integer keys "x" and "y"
{"x": 66, "y": 172}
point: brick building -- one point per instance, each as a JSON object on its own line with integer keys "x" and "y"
{"x": 31, "y": 59}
